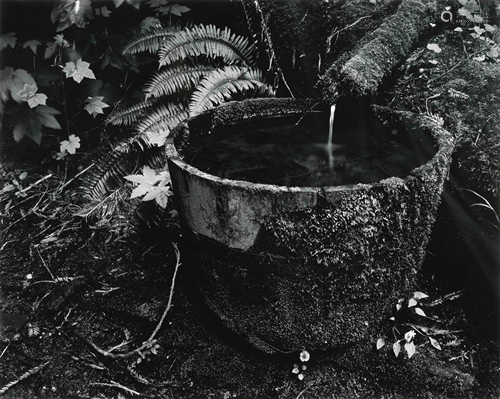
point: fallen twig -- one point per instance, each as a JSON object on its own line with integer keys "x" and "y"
{"x": 29, "y": 373}
{"x": 33, "y": 185}
{"x": 117, "y": 385}
{"x": 336, "y": 32}
{"x": 73, "y": 178}
{"x": 150, "y": 340}
{"x": 448, "y": 297}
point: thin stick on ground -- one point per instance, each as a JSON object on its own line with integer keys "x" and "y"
{"x": 117, "y": 385}
{"x": 147, "y": 343}
{"x": 29, "y": 373}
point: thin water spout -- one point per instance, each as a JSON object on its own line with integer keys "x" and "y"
{"x": 329, "y": 146}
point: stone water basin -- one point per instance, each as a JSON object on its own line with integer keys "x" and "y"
{"x": 291, "y": 268}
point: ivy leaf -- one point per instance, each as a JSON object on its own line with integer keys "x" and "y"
{"x": 78, "y": 71}
{"x": 30, "y": 95}
{"x": 380, "y": 343}
{"x": 410, "y": 349}
{"x": 434, "y": 47}
{"x": 95, "y": 105}
{"x": 420, "y": 312}
{"x": 9, "y": 39}
{"x": 396, "y": 347}
{"x": 70, "y": 145}
{"x": 32, "y": 44}
{"x": 12, "y": 82}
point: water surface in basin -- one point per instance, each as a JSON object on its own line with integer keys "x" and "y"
{"x": 295, "y": 151}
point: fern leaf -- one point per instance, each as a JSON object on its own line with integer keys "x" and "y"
{"x": 107, "y": 175}
{"x": 175, "y": 79}
{"x": 164, "y": 117}
{"x": 209, "y": 41}
{"x": 129, "y": 113}
{"x": 151, "y": 40}
{"x": 222, "y": 84}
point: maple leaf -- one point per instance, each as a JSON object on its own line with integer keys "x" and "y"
{"x": 9, "y": 39}
{"x": 148, "y": 23}
{"x": 174, "y": 9}
{"x": 157, "y": 138}
{"x": 103, "y": 11}
{"x": 95, "y": 105}
{"x": 30, "y": 95}
{"x": 78, "y": 71}
{"x": 71, "y": 12}
{"x": 46, "y": 116}
{"x": 32, "y": 44}
{"x": 152, "y": 186}
{"x": 31, "y": 123}
{"x": 59, "y": 40}
{"x": 157, "y": 3}
{"x": 12, "y": 82}
{"x": 70, "y": 145}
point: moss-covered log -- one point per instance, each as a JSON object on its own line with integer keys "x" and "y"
{"x": 383, "y": 49}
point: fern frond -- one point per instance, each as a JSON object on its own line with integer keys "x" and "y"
{"x": 222, "y": 84}
{"x": 107, "y": 175}
{"x": 163, "y": 117}
{"x": 208, "y": 41}
{"x": 129, "y": 113}
{"x": 175, "y": 79}
{"x": 151, "y": 40}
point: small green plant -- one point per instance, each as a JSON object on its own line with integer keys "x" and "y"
{"x": 15, "y": 187}
{"x": 485, "y": 35}
{"x": 485, "y": 204}
{"x": 300, "y": 368}
{"x": 411, "y": 327}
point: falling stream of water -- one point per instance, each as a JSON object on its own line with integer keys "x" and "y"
{"x": 329, "y": 145}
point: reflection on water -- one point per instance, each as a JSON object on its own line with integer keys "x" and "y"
{"x": 306, "y": 154}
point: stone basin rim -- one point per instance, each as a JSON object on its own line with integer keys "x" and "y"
{"x": 173, "y": 156}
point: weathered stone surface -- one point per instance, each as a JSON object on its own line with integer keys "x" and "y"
{"x": 291, "y": 268}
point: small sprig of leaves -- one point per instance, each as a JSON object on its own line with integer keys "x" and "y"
{"x": 150, "y": 348}
{"x": 404, "y": 309}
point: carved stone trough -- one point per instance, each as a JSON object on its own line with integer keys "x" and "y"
{"x": 311, "y": 267}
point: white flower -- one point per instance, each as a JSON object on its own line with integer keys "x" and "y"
{"x": 304, "y": 356}
{"x": 409, "y": 335}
